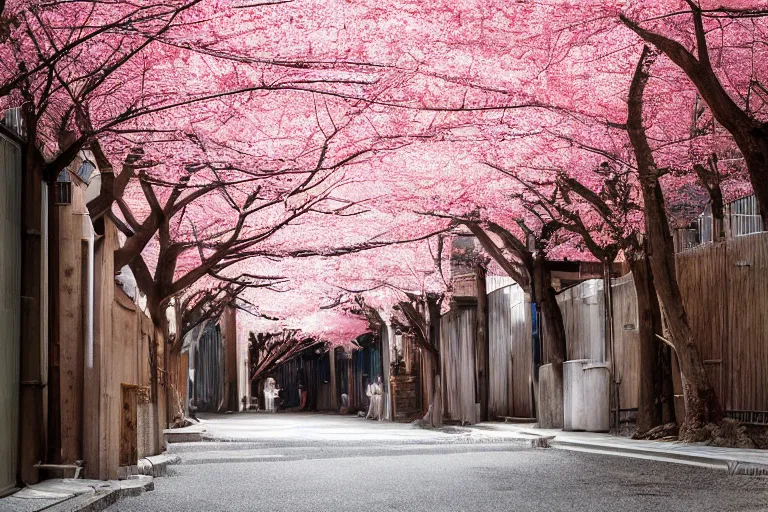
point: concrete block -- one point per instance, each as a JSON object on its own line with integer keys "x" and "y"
{"x": 182, "y": 435}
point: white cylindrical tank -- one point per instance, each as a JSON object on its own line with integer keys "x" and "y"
{"x": 597, "y": 388}
{"x": 574, "y": 408}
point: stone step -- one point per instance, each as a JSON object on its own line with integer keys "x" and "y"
{"x": 183, "y": 435}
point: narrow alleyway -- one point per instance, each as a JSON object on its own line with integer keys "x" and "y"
{"x": 325, "y": 462}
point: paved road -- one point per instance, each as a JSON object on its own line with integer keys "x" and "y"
{"x": 322, "y": 474}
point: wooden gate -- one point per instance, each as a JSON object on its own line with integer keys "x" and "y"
{"x": 510, "y": 346}
{"x": 457, "y": 352}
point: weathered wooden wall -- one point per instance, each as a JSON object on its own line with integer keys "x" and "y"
{"x": 584, "y": 315}
{"x": 10, "y": 272}
{"x": 583, "y": 308}
{"x": 127, "y": 346}
{"x": 626, "y": 348}
{"x": 68, "y": 335}
{"x": 510, "y": 346}
{"x": 133, "y": 337}
{"x": 725, "y": 288}
{"x": 457, "y": 352}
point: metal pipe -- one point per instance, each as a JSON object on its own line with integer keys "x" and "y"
{"x": 609, "y": 334}
{"x": 89, "y": 238}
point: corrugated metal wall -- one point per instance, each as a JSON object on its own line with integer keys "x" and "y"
{"x": 457, "y": 352}
{"x": 510, "y": 347}
{"x": 10, "y": 271}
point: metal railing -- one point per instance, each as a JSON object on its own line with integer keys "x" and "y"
{"x": 744, "y": 216}
{"x": 14, "y": 121}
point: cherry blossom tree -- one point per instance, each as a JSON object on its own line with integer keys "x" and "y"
{"x": 739, "y": 106}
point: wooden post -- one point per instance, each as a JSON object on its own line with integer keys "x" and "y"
{"x": 33, "y": 324}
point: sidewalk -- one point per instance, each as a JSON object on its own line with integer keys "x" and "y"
{"x": 69, "y": 494}
{"x": 83, "y": 495}
{"x": 737, "y": 461}
{"x": 301, "y": 429}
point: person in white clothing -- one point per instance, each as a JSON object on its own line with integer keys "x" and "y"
{"x": 270, "y": 393}
{"x": 379, "y": 398}
{"x": 369, "y": 392}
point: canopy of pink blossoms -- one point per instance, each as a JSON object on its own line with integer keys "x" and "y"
{"x": 364, "y": 127}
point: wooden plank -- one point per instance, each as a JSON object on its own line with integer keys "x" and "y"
{"x": 129, "y": 454}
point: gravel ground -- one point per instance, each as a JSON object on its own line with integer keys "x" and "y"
{"x": 12, "y": 504}
{"x": 454, "y": 477}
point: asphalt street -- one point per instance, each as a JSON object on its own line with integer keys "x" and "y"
{"x": 321, "y": 474}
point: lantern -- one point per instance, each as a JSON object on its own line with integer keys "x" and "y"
{"x": 62, "y": 193}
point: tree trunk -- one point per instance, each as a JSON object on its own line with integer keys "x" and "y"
{"x": 434, "y": 416}
{"x": 481, "y": 344}
{"x": 654, "y": 358}
{"x": 554, "y": 328}
{"x": 701, "y": 404}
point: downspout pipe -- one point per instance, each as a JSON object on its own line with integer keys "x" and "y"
{"x": 89, "y": 238}
{"x": 610, "y": 336}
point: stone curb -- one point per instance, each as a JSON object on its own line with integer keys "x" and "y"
{"x": 157, "y": 466}
{"x": 235, "y": 443}
{"x": 100, "y": 500}
{"x": 733, "y": 467}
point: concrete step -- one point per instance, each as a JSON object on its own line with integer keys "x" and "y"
{"x": 512, "y": 419}
{"x": 183, "y": 435}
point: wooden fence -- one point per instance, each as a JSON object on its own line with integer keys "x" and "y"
{"x": 457, "y": 352}
{"x": 583, "y": 308}
{"x": 510, "y": 347}
{"x": 725, "y": 288}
